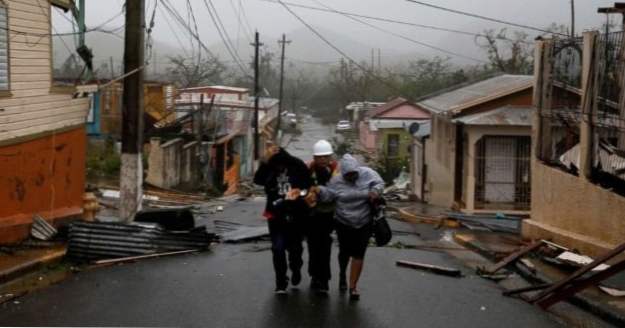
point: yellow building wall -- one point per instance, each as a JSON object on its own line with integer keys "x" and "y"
{"x": 574, "y": 212}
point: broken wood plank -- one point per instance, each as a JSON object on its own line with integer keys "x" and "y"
{"x": 548, "y": 298}
{"x": 558, "y": 289}
{"x": 514, "y": 256}
{"x": 511, "y": 292}
{"x": 432, "y": 268}
{"x": 141, "y": 257}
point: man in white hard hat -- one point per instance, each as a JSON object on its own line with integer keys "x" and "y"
{"x": 322, "y": 168}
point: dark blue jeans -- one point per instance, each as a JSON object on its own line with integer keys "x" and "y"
{"x": 286, "y": 237}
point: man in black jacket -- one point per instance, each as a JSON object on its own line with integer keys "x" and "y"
{"x": 284, "y": 177}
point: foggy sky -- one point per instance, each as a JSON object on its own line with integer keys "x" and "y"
{"x": 271, "y": 20}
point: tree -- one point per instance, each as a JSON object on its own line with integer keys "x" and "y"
{"x": 187, "y": 73}
{"x": 507, "y": 52}
{"x": 297, "y": 86}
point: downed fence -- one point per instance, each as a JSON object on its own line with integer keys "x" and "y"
{"x": 91, "y": 241}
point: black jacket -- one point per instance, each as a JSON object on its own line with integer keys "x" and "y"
{"x": 282, "y": 173}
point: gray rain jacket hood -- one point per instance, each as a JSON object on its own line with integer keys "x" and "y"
{"x": 352, "y": 199}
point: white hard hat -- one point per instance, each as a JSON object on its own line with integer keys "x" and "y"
{"x": 322, "y": 148}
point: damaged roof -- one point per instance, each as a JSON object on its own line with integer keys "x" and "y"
{"x": 477, "y": 93}
{"x": 506, "y": 115}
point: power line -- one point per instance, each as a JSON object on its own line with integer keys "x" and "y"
{"x": 181, "y": 21}
{"x": 405, "y": 37}
{"x": 246, "y": 20}
{"x": 320, "y": 36}
{"x": 224, "y": 36}
{"x": 485, "y": 18}
{"x": 182, "y": 46}
{"x": 383, "y": 19}
{"x": 239, "y": 13}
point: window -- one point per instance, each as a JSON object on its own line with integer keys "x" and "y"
{"x": 392, "y": 145}
{"x": 4, "y": 48}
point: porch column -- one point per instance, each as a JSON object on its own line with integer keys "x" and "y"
{"x": 471, "y": 158}
{"x": 589, "y": 104}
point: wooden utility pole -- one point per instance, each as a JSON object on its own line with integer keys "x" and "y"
{"x": 131, "y": 175}
{"x": 282, "y": 42}
{"x": 256, "y": 45}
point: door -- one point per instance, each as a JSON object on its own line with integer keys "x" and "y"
{"x": 499, "y": 170}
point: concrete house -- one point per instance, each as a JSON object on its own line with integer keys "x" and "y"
{"x": 384, "y": 130}
{"x": 42, "y": 130}
{"x": 476, "y": 158}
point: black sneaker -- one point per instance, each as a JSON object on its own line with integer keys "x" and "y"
{"x": 296, "y": 278}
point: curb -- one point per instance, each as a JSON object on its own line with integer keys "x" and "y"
{"x": 415, "y": 218}
{"x": 582, "y": 302}
{"x": 30, "y": 266}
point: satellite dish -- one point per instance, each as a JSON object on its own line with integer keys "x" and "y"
{"x": 413, "y": 128}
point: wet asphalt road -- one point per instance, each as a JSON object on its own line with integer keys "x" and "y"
{"x": 232, "y": 286}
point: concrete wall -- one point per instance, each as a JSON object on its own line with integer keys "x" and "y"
{"x": 574, "y": 212}
{"x": 173, "y": 164}
{"x": 439, "y": 160}
{"x": 367, "y": 137}
{"x": 473, "y": 135}
{"x": 45, "y": 176}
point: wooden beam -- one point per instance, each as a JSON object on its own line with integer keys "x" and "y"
{"x": 580, "y": 285}
{"x": 514, "y": 256}
{"x": 562, "y": 284}
{"x": 432, "y": 268}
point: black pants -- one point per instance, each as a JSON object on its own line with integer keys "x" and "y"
{"x": 319, "y": 228}
{"x": 286, "y": 237}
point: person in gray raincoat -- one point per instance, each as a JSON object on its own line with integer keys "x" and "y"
{"x": 353, "y": 192}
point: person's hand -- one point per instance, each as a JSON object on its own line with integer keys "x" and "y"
{"x": 373, "y": 196}
{"x": 293, "y": 194}
{"x": 311, "y": 197}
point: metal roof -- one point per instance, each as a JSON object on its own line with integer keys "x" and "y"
{"x": 506, "y": 115}
{"x": 477, "y": 93}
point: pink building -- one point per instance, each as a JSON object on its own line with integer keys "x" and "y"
{"x": 398, "y": 113}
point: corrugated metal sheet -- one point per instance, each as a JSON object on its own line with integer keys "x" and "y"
{"x": 477, "y": 93}
{"x": 103, "y": 240}
{"x": 507, "y": 115}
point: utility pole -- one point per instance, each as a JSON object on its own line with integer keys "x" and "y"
{"x": 256, "y": 45}
{"x": 572, "y": 19}
{"x": 283, "y": 42}
{"x": 379, "y": 60}
{"x": 112, "y": 68}
{"x": 131, "y": 175}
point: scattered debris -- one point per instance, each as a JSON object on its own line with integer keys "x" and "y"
{"x": 170, "y": 219}
{"x": 579, "y": 280}
{"x": 231, "y": 232}
{"x": 512, "y": 292}
{"x": 91, "y": 241}
{"x": 432, "y": 268}
{"x": 491, "y": 276}
{"x": 108, "y": 193}
{"x": 612, "y": 291}
{"x": 141, "y": 257}
{"x": 41, "y": 229}
{"x": 514, "y": 257}
{"x": 579, "y": 261}
{"x": 497, "y": 223}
